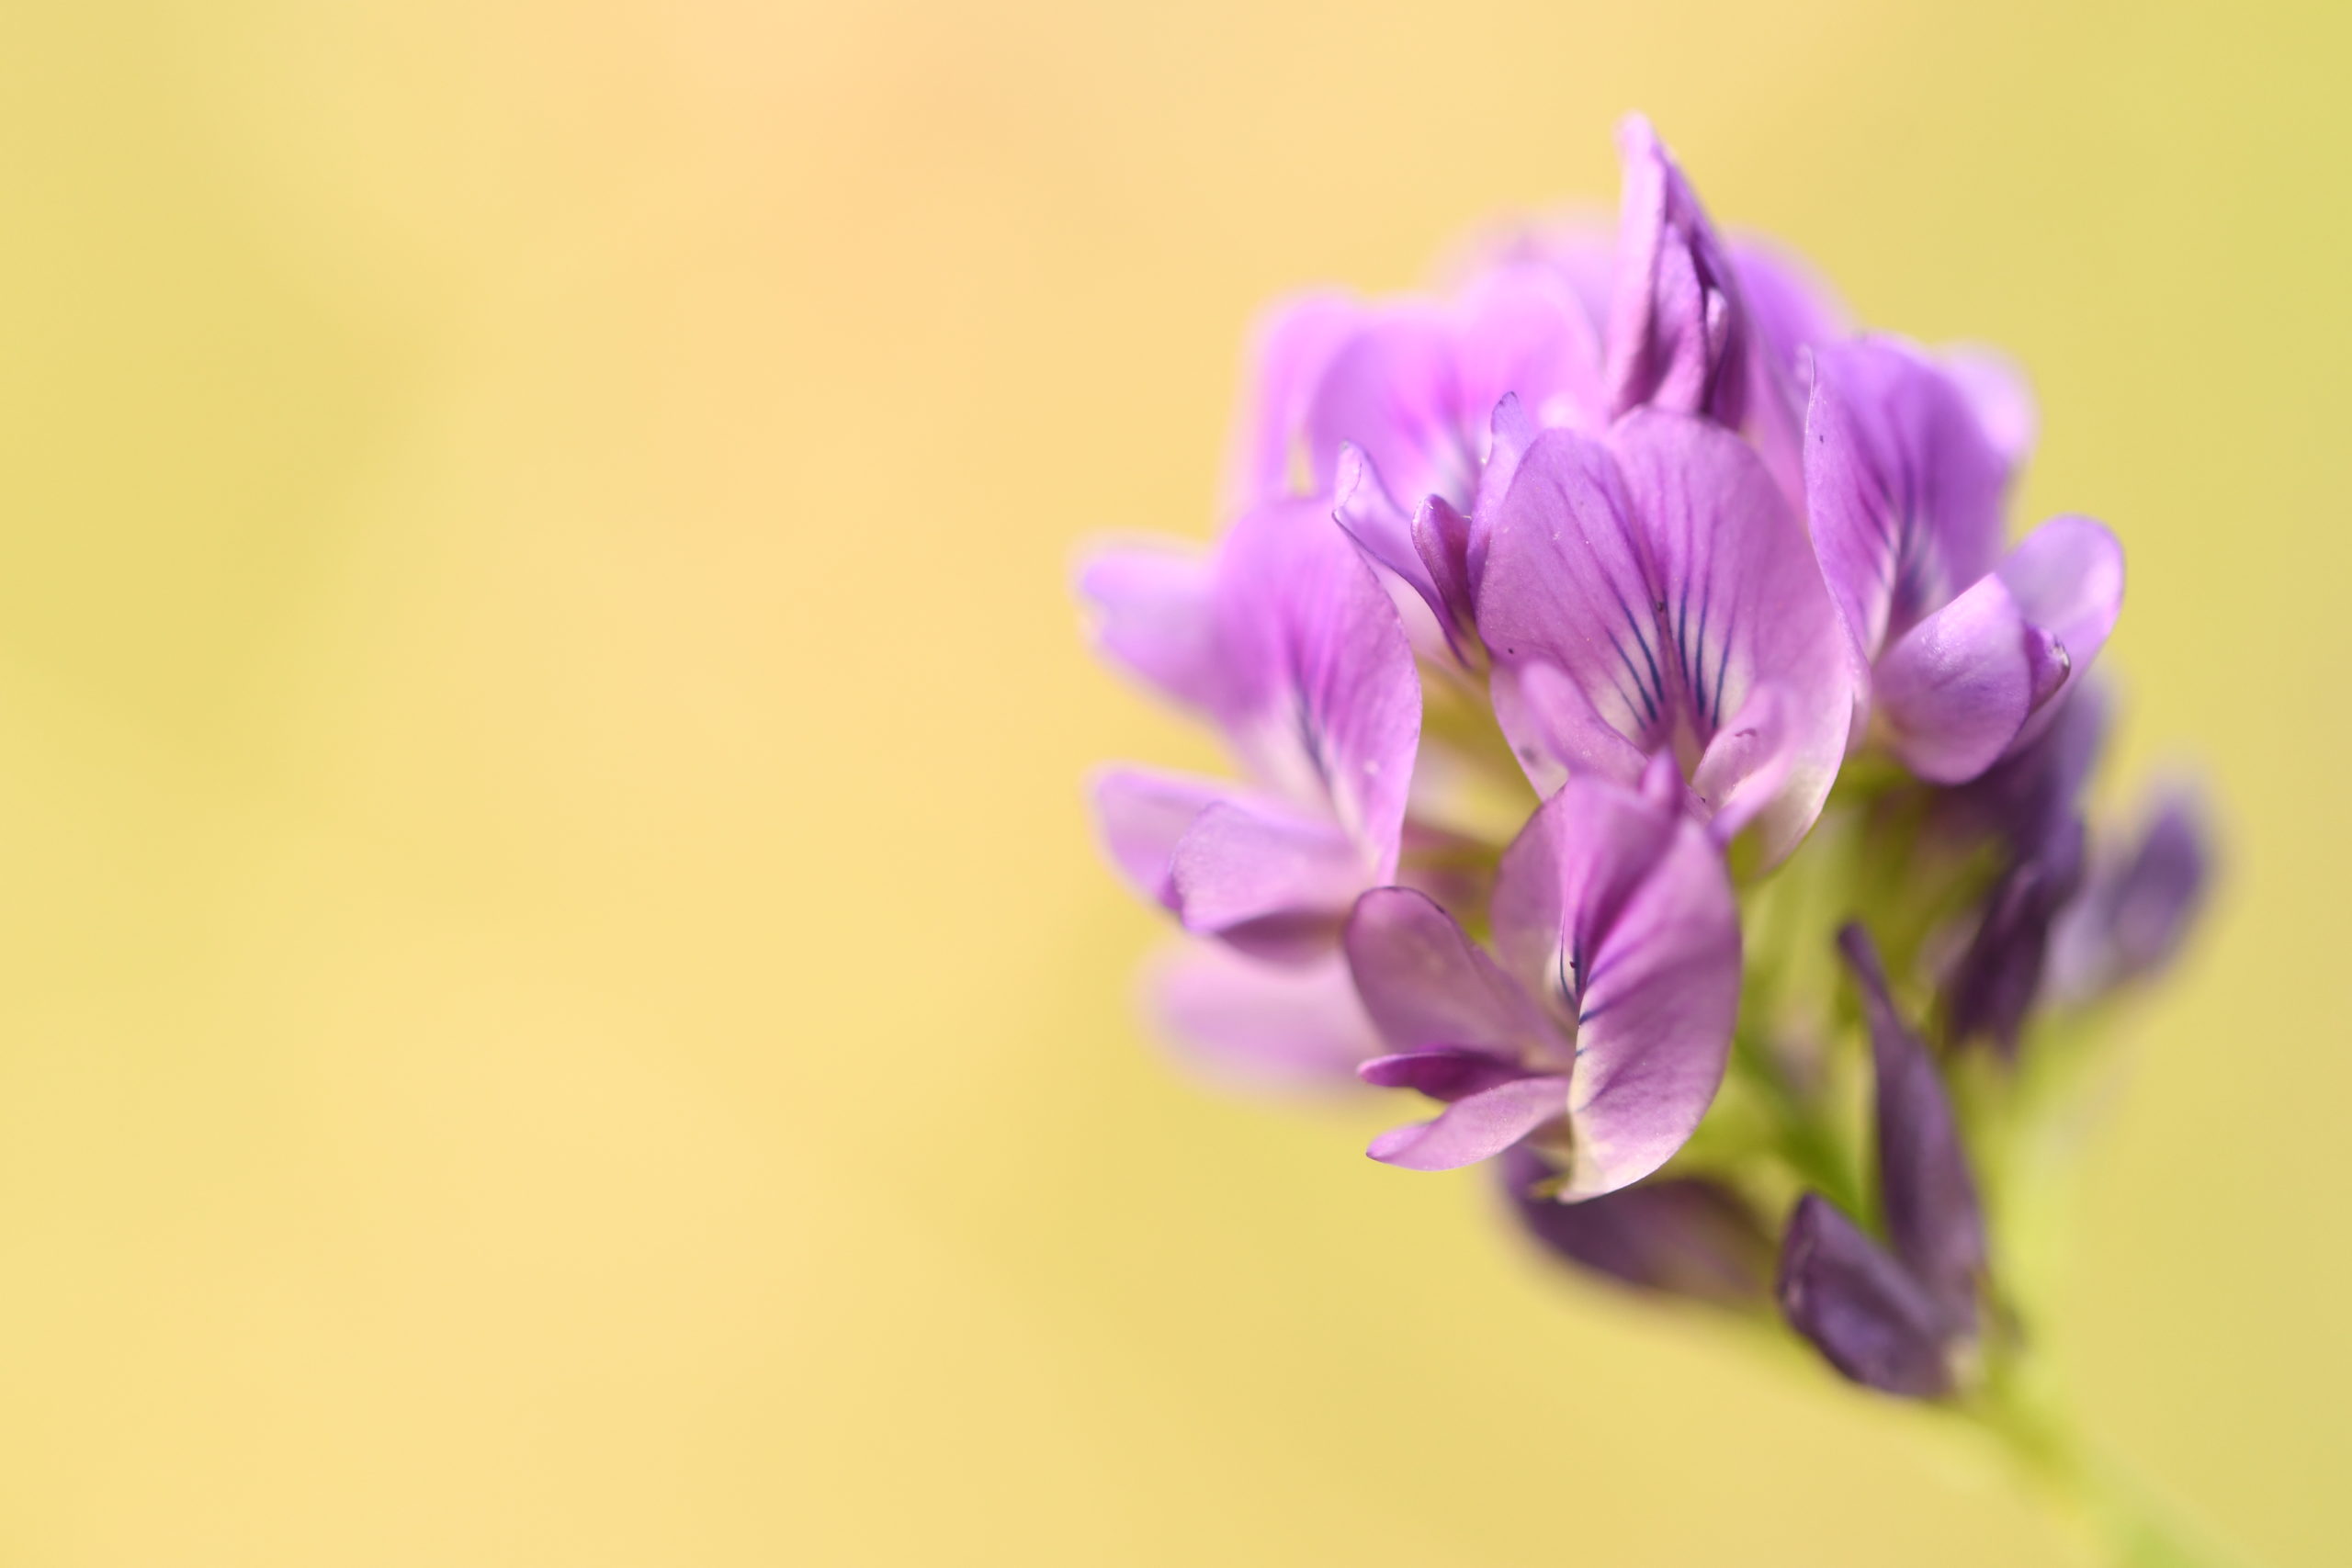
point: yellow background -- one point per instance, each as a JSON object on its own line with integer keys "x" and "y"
{"x": 556, "y": 1006}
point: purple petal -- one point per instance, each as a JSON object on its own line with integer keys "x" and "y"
{"x": 1475, "y": 1128}
{"x": 1673, "y": 340}
{"x": 1794, "y": 310}
{"x": 1441, "y": 540}
{"x": 1746, "y": 764}
{"x": 1270, "y": 880}
{"x": 1924, "y": 1188}
{"x": 1996, "y": 389}
{"x": 1620, "y": 906}
{"x": 1259, "y": 1025}
{"x": 1327, "y": 704}
{"x": 1868, "y": 1318}
{"x": 2000, "y": 976}
{"x": 1678, "y": 1236}
{"x": 1903, "y": 487}
{"x": 2067, "y": 577}
{"x": 1955, "y": 690}
{"x": 1738, "y": 601}
{"x": 2137, "y": 907}
{"x": 1681, "y": 339}
{"x": 1391, "y": 540}
{"x": 2033, "y": 796}
{"x": 1425, "y": 984}
{"x": 1393, "y": 391}
{"x": 1521, "y": 332}
{"x": 1153, "y": 617}
{"x": 1141, "y": 815}
{"x": 1446, "y": 1073}
{"x": 1295, "y": 341}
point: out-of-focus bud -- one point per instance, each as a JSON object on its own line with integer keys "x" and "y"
{"x": 1999, "y": 977}
{"x": 1671, "y": 1235}
{"x": 2137, "y": 905}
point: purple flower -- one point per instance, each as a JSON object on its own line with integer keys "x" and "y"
{"x": 1967, "y": 654}
{"x": 1652, "y": 593}
{"x": 1896, "y": 1317}
{"x": 1680, "y": 1235}
{"x": 1288, "y": 644}
{"x": 1600, "y": 1027}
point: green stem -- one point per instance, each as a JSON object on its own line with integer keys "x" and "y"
{"x": 2116, "y": 1518}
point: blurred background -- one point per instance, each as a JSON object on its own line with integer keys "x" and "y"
{"x": 556, "y": 1004}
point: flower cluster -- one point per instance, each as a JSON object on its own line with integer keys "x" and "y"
{"x": 1608, "y": 643}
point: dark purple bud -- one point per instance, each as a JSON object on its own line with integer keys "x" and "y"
{"x": 2137, "y": 908}
{"x": 1999, "y": 977}
{"x": 1672, "y": 1235}
{"x": 1925, "y": 1189}
{"x": 1859, "y": 1307}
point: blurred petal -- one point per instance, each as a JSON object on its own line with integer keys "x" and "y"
{"x": 1954, "y": 691}
{"x": 2034, "y": 795}
{"x": 1794, "y": 310}
{"x": 1868, "y": 1318}
{"x": 1998, "y": 977}
{"x": 1924, "y": 1188}
{"x": 1141, "y": 814}
{"x": 1996, "y": 389}
{"x": 1260, "y": 1025}
{"x": 2139, "y": 907}
{"x": 1153, "y": 617}
{"x": 1392, "y": 390}
{"x": 1294, "y": 342}
{"x": 1676, "y": 1236}
{"x": 1270, "y": 880}
{"x": 1903, "y": 487}
{"x": 1425, "y": 984}
{"x": 1478, "y": 1127}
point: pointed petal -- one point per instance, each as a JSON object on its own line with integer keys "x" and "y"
{"x": 1870, "y": 1319}
{"x": 1739, "y": 603}
{"x": 1292, "y": 349}
{"x": 1153, "y": 617}
{"x": 1901, "y": 485}
{"x": 1425, "y": 984}
{"x": 1683, "y": 1237}
{"x": 1474, "y": 1128}
{"x": 1326, "y": 704}
{"x": 1671, "y": 343}
{"x": 1925, "y": 1187}
{"x": 2067, "y": 579}
{"x": 1681, "y": 339}
{"x": 1272, "y": 881}
{"x": 1955, "y": 690}
{"x": 1441, "y": 540}
{"x": 1390, "y": 540}
{"x": 1259, "y": 1025}
{"x": 1620, "y": 906}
